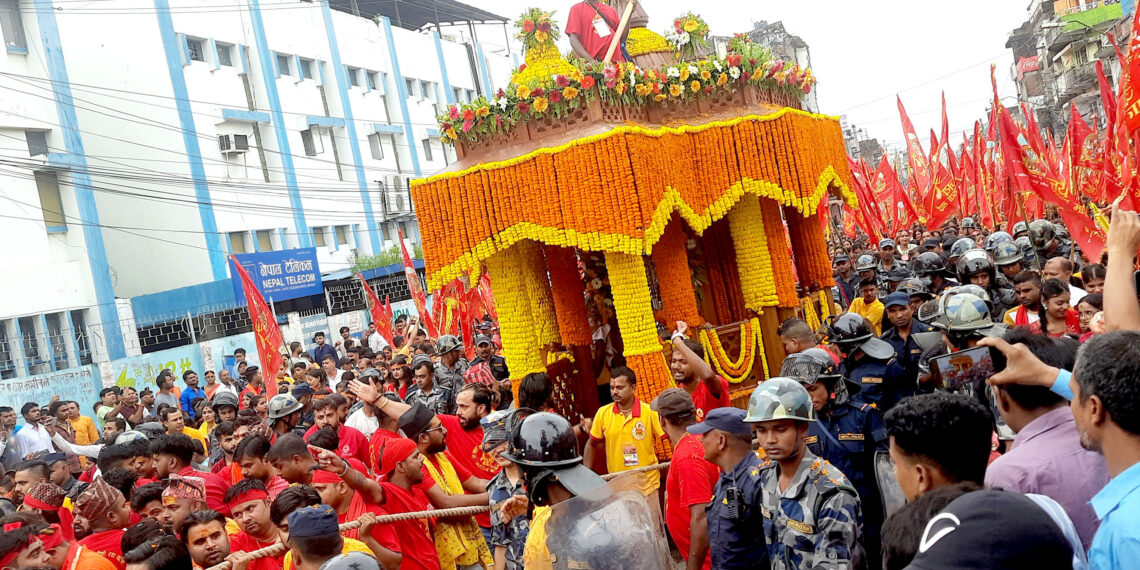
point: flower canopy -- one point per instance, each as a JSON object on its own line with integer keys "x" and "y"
{"x": 616, "y": 191}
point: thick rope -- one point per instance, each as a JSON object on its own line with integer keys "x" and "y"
{"x": 277, "y": 549}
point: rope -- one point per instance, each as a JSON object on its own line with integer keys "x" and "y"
{"x": 278, "y": 548}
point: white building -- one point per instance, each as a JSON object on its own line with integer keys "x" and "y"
{"x": 142, "y": 141}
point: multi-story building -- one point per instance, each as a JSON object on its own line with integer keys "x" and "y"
{"x": 1055, "y": 52}
{"x": 143, "y": 141}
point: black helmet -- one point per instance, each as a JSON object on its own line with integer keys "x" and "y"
{"x": 929, "y": 264}
{"x": 974, "y": 261}
{"x": 851, "y": 332}
{"x": 898, "y": 274}
{"x": 968, "y": 223}
{"x": 961, "y": 245}
{"x": 995, "y": 238}
{"x": 913, "y": 287}
{"x": 543, "y": 440}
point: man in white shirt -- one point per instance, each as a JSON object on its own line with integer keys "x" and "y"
{"x": 225, "y": 383}
{"x": 375, "y": 342}
{"x": 33, "y": 437}
{"x": 1061, "y": 268}
{"x": 332, "y": 369}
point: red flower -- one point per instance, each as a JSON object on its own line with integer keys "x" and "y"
{"x": 528, "y": 26}
{"x": 499, "y": 121}
{"x": 746, "y": 76}
{"x": 562, "y": 81}
{"x": 522, "y": 67}
{"x": 453, "y": 112}
{"x": 545, "y": 27}
{"x": 501, "y": 93}
{"x": 467, "y": 126}
{"x": 807, "y": 88}
{"x": 524, "y": 107}
{"x": 555, "y": 96}
{"x": 656, "y": 88}
{"x": 538, "y": 92}
{"x": 469, "y": 115}
{"x": 587, "y": 82}
{"x": 735, "y": 59}
{"x": 708, "y": 89}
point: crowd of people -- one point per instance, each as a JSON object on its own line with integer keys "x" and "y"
{"x": 861, "y": 452}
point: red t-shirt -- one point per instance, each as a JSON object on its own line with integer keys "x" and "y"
{"x": 243, "y": 542}
{"x": 376, "y": 446}
{"x": 384, "y": 534}
{"x": 1072, "y": 325}
{"x": 216, "y": 488}
{"x": 416, "y": 541}
{"x": 690, "y": 482}
{"x": 109, "y": 545}
{"x": 466, "y": 448}
{"x": 581, "y": 23}
{"x": 352, "y": 443}
{"x": 704, "y": 401}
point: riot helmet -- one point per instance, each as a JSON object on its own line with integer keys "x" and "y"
{"x": 780, "y": 398}
{"x": 996, "y": 238}
{"x": 961, "y": 245}
{"x": 810, "y": 366}
{"x": 975, "y": 261}
{"x": 914, "y": 287}
{"x": 282, "y": 405}
{"x": 865, "y": 263}
{"x": 968, "y": 223}
{"x": 929, "y": 264}
{"x": 1007, "y": 254}
{"x": 544, "y": 446}
{"x": 851, "y": 332}
{"x": 1019, "y": 228}
{"x": 1041, "y": 234}
{"x": 898, "y": 274}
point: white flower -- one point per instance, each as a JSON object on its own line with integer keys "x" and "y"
{"x": 734, "y": 72}
{"x": 673, "y": 72}
{"x": 694, "y": 69}
{"x": 503, "y": 103}
{"x": 683, "y": 39}
{"x": 717, "y": 65}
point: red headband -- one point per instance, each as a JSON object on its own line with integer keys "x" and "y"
{"x": 250, "y": 495}
{"x": 322, "y": 477}
{"x": 11, "y": 556}
{"x": 66, "y": 518}
{"x": 52, "y": 536}
{"x": 38, "y": 504}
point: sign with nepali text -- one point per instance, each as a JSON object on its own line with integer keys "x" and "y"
{"x": 80, "y": 384}
{"x": 281, "y": 275}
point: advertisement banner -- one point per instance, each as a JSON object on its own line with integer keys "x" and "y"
{"x": 142, "y": 370}
{"x": 221, "y": 353}
{"x": 281, "y": 275}
{"x": 80, "y": 384}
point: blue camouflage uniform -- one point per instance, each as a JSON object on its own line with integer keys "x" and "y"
{"x": 816, "y": 522}
{"x": 738, "y": 543}
{"x": 882, "y": 382}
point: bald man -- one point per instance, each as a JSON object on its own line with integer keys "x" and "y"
{"x": 1061, "y": 268}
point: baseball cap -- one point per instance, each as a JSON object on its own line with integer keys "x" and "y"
{"x": 886, "y": 242}
{"x": 673, "y": 401}
{"x": 896, "y": 299}
{"x": 308, "y": 522}
{"x": 992, "y": 529}
{"x": 482, "y": 339}
{"x": 302, "y": 389}
{"x": 421, "y": 359}
{"x": 730, "y": 420}
{"x": 931, "y": 243}
{"x": 842, "y": 257}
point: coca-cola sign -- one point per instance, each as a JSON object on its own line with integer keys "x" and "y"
{"x": 1026, "y": 65}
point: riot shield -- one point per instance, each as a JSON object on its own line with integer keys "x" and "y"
{"x": 613, "y": 526}
{"x": 889, "y": 489}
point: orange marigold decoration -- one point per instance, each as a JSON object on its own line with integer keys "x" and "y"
{"x": 520, "y": 347}
{"x": 810, "y": 250}
{"x": 569, "y": 301}
{"x": 635, "y": 320}
{"x": 541, "y": 298}
{"x": 777, "y": 241}
{"x": 670, "y": 258}
{"x": 757, "y": 281}
{"x": 738, "y": 370}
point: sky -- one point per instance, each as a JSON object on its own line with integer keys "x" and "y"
{"x": 864, "y": 53}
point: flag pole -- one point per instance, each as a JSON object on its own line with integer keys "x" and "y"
{"x": 1024, "y": 216}
{"x": 616, "y": 41}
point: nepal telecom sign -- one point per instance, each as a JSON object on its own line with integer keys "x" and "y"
{"x": 281, "y": 275}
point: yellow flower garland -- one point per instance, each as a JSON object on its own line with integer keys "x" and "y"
{"x": 512, "y": 302}
{"x": 751, "y": 341}
{"x": 641, "y": 41}
{"x": 635, "y": 321}
{"x": 746, "y": 224}
{"x": 533, "y": 264}
{"x": 824, "y": 306}
{"x": 808, "y": 306}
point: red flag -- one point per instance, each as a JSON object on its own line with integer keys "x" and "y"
{"x": 1130, "y": 80}
{"x": 381, "y": 315}
{"x": 920, "y": 174}
{"x": 266, "y": 332}
{"x": 418, "y": 296}
{"x": 1107, "y": 98}
{"x": 942, "y": 201}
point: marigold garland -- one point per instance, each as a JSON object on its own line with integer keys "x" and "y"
{"x": 777, "y": 241}
{"x": 539, "y": 292}
{"x": 678, "y": 300}
{"x": 569, "y": 301}
{"x": 734, "y": 371}
{"x": 813, "y": 264}
{"x": 757, "y": 281}
{"x": 641, "y": 41}
{"x": 807, "y": 304}
{"x": 825, "y": 309}
{"x": 520, "y": 347}
{"x": 616, "y": 191}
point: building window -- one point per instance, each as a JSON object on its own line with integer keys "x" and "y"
{"x": 283, "y": 67}
{"x": 197, "y": 49}
{"x": 50, "y": 201}
{"x": 265, "y": 240}
{"x": 312, "y": 141}
{"x": 306, "y": 69}
{"x": 29, "y": 340}
{"x": 427, "y": 149}
{"x": 410, "y": 85}
{"x": 353, "y": 74}
{"x": 470, "y": 95}
{"x": 319, "y": 237}
{"x": 457, "y": 94}
{"x": 427, "y": 88}
{"x": 12, "y": 26}
{"x": 237, "y": 242}
{"x": 373, "y": 80}
{"x": 37, "y": 142}
{"x": 341, "y": 234}
{"x": 79, "y": 330}
{"x": 225, "y": 54}
{"x": 374, "y": 143}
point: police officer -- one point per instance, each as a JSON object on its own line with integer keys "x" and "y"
{"x": 895, "y": 277}
{"x": 976, "y": 268}
{"x": 916, "y": 290}
{"x": 900, "y": 314}
{"x": 1020, "y": 229}
{"x": 485, "y": 352}
{"x": 1028, "y": 254}
{"x": 1009, "y": 260}
{"x": 812, "y": 514}
{"x": 846, "y": 280}
{"x": 887, "y": 261}
{"x": 736, "y": 517}
{"x": 866, "y": 267}
{"x": 1046, "y": 243}
{"x": 964, "y": 318}
{"x": 961, "y": 245}
{"x": 996, "y": 238}
{"x": 284, "y": 414}
{"x": 847, "y": 434}
{"x": 869, "y": 362}
{"x": 929, "y": 266}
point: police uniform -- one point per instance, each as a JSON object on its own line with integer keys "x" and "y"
{"x": 883, "y": 276}
{"x": 882, "y": 382}
{"x": 816, "y": 522}
{"x": 738, "y": 542}
{"x": 1003, "y": 299}
{"x": 848, "y": 289}
{"x": 451, "y": 378}
{"x": 907, "y": 351}
{"x": 946, "y": 284}
{"x": 498, "y": 366}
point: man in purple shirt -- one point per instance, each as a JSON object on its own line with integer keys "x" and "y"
{"x": 1046, "y": 457}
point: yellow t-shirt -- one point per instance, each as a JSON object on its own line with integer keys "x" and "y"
{"x": 350, "y": 545}
{"x": 535, "y": 554}
{"x": 629, "y": 440}
{"x": 872, "y": 312}
{"x": 194, "y": 433}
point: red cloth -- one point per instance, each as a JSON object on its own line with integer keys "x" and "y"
{"x": 243, "y": 542}
{"x": 466, "y": 448}
{"x": 353, "y": 444}
{"x": 108, "y": 545}
{"x": 218, "y": 465}
{"x": 250, "y": 389}
{"x": 275, "y": 486}
{"x": 690, "y": 482}
{"x": 581, "y": 23}
{"x": 216, "y": 488}
{"x": 1072, "y": 325}
{"x": 415, "y": 536}
{"x": 704, "y": 401}
{"x": 385, "y": 534}
{"x": 376, "y": 446}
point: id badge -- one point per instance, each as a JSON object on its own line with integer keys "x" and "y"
{"x": 601, "y": 28}
{"x": 629, "y": 455}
